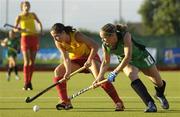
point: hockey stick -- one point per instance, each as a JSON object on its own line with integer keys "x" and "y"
{"x": 20, "y": 29}
{"x": 11, "y": 26}
{"x": 30, "y": 99}
{"x": 86, "y": 89}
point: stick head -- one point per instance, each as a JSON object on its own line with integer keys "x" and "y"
{"x": 70, "y": 97}
{"x": 9, "y": 25}
{"x": 5, "y": 25}
{"x": 27, "y": 100}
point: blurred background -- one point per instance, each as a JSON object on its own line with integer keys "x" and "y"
{"x": 154, "y": 23}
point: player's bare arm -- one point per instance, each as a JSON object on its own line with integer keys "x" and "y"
{"x": 17, "y": 21}
{"x": 90, "y": 43}
{"x": 39, "y": 23}
{"x": 127, "y": 53}
{"x": 66, "y": 60}
{"x": 104, "y": 66}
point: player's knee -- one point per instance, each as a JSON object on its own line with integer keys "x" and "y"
{"x": 26, "y": 63}
{"x": 56, "y": 79}
{"x": 56, "y": 72}
{"x": 132, "y": 76}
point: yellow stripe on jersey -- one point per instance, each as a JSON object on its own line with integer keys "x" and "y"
{"x": 75, "y": 48}
{"x": 27, "y": 23}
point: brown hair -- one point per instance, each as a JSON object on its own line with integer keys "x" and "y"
{"x": 25, "y": 2}
{"x": 109, "y": 29}
{"x": 59, "y": 28}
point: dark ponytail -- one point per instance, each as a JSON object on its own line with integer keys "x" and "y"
{"x": 121, "y": 27}
{"x": 59, "y": 28}
{"x": 69, "y": 29}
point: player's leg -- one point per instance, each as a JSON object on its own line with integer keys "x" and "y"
{"x": 16, "y": 72}
{"x": 15, "y": 67}
{"x": 155, "y": 77}
{"x": 31, "y": 68}
{"x": 108, "y": 87}
{"x": 62, "y": 87}
{"x": 26, "y": 68}
{"x": 33, "y": 47}
{"x": 26, "y": 59}
{"x": 140, "y": 88}
{"x": 10, "y": 68}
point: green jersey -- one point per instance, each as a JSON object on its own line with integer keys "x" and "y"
{"x": 13, "y": 47}
{"x": 140, "y": 56}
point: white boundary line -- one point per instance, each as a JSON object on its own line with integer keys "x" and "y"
{"x": 81, "y": 97}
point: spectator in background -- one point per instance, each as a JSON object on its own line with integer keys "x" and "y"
{"x": 133, "y": 57}
{"x": 13, "y": 45}
{"x": 29, "y": 40}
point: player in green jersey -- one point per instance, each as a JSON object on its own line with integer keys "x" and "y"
{"x": 12, "y": 44}
{"x": 133, "y": 57}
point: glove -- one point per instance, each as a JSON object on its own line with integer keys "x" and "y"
{"x": 18, "y": 51}
{"x": 112, "y": 76}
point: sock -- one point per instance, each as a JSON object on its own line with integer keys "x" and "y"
{"x": 160, "y": 90}
{"x": 9, "y": 70}
{"x": 16, "y": 70}
{"x": 141, "y": 90}
{"x": 26, "y": 74}
{"x": 111, "y": 91}
{"x": 62, "y": 90}
{"x": 31, "y": 69}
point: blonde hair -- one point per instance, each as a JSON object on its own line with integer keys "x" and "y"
{"x": 109, "y": 29}
{"x": 25, "y": 2}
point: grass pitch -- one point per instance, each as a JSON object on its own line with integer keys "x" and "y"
{"x": 94, "y": 103}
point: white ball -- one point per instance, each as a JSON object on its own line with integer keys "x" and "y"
{"x": 36, "y": 108}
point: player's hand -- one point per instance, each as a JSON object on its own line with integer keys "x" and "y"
{"x": 94, "y": 84}
{"x": 87, "y": 64}
{"x": 112, "y": 76}
{"x": 3, "y": 43}
{"x": 67, "y": 76}
{"x": 20, "y": 30}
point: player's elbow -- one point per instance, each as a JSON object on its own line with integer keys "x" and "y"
{"x": 95, "y": 47}
{"x": 127, "y": 59}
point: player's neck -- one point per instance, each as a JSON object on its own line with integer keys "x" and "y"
{"x": 25, "y": 12}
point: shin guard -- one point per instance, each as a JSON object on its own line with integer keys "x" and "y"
{"x": 26, "y": 74}
{"x": 31, "y": 70}
{"x": 61, "y": 89}
{"x": 141, "y": 90}
{"x": 111, "y": 91}
{"x": 10, "y": 70}
{"x": 160, "y": 90}
{"x": 16, "y": 69}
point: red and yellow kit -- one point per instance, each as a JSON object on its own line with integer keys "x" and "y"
{"x": 29, "y": 39}
{"x": 75, "y": 49}
{"x": 78, "y": 52}
{"x": 27, "y": 23}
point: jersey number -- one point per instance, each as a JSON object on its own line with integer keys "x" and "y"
{"x": 149, "y": 60}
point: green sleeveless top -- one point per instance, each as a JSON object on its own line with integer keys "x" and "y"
{"x": 13, "y": 44}
{"x": 137, "y": 49}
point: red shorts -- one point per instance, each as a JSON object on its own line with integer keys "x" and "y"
{"x": 29, "y": 43}
{"x": 82, "y": 60}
